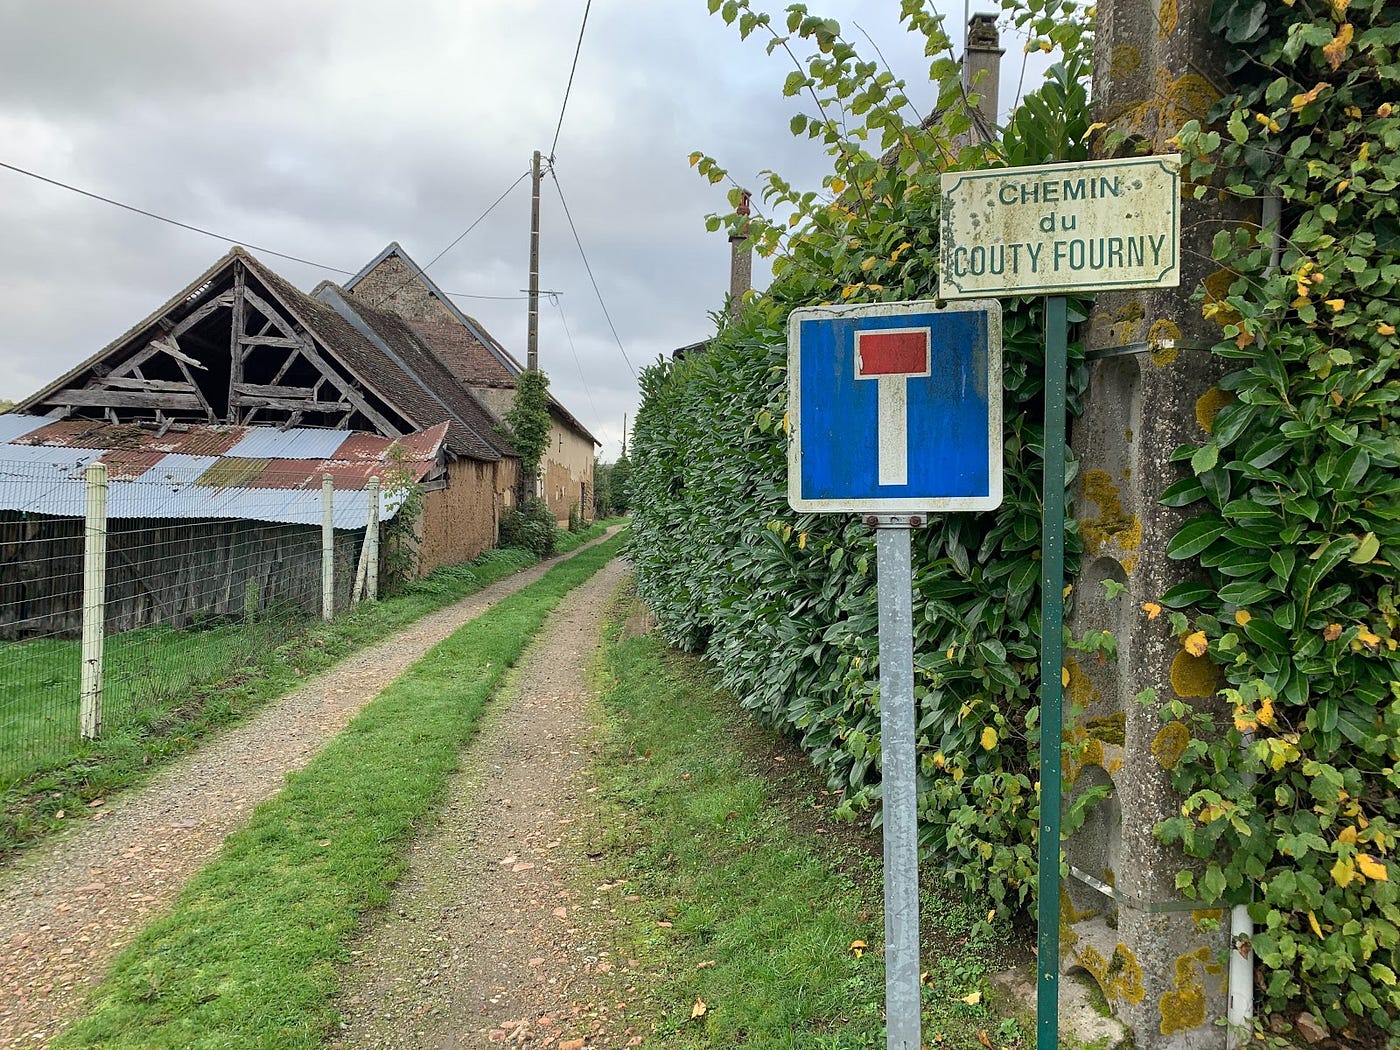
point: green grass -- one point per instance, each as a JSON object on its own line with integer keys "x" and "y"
{"x": 721, "y": 842}
{"x": 206, "y": 678}
{"x": 248, "y": 956}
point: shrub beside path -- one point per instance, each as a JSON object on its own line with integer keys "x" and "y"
{"x": 69, "y": 906}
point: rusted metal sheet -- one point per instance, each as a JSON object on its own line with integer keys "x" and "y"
{"x": 191, "y": 474}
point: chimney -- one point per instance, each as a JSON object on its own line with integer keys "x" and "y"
{"x": 740, "y": 259}
{"x": 981, "y": 71}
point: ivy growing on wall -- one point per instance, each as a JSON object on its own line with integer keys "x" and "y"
{"x": 528, "y": 421}
{"x": 1292, "y": 790}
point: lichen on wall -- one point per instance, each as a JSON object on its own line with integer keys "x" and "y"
{"x": 1183, "y": 1006}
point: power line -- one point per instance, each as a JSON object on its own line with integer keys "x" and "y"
{"x": 174, "y": 222}
{"x": 577, "y": 48}
{"x": 455, "y": 241}
{"x": 597, "y": 418}
{"x": 236, "y": 240}
{"x": 584, "y": 255}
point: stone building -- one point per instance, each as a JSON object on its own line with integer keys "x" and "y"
{"x": 393, "y": 282}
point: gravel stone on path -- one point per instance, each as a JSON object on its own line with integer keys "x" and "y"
{"x": 68, "y": 906}
{"x": 488, "y": 940}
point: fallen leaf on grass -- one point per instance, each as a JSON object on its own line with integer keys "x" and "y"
{"x": 698, "y": 1010}
{"x": 972, "y": 999}
{"x": 664, "y": 924}
{"x": 705, "y": 965}
{"x": 858, "y": 947}
{"x": 983, "y": 1038}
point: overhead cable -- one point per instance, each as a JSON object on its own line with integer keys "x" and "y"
{"x": 455, "y": 241}
{"x": 593, "y": 280}
{"x": 577, "y": 48}
{"x": 173, "y": 222}
{"x": 554, "y": 298}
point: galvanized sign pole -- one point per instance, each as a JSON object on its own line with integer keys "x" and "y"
{"x": 1052, "y": 617}
{"x": 899, "y": 797}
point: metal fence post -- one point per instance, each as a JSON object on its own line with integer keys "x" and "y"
{"x": 94, "y": 601}
{"x": 372, "y": 569}
{"x": 327, "y": 548}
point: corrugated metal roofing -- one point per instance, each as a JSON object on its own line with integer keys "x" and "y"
{"x": 14, "y": 424}
{"x": 147, "y": 481}
{"x": 296, "y": 443}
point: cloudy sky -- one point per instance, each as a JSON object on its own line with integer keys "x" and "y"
{"x": 325, "y": 129}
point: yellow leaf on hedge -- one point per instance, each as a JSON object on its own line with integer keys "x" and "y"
{"x": 1312, "y": 921}
{"x": 868, "y": 264}
{"x": 989, "y": 738}
{"x": 1385, "y": 329}
{"x": 802, "y": 541}
{"x": 1335, "y": 304}
{"x": 1347, "y": 835}
{"x": 894, "y": 255}
{"x": 1242, "y": 617}
{"x": 1064, "y": 677}
{"x": 1336, "y": 51}
{"x": 838, "y": 185}
{"x": 1372, "y": 868}
{"x": 1343, "y": 872}
{"x": 849, "y": 290}
{"x": 1195, "y": 643}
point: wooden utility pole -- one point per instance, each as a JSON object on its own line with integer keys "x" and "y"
{"x": 532, "y": 346}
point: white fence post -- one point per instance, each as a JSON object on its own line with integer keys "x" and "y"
{"x": 372, "y": 538}
{"x": 94, "y": 601}
{"x": 327, "y": 548}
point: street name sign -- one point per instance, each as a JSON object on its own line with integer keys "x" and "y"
{"x": 1058, "y": 228}
{"x": 895, "y": 408}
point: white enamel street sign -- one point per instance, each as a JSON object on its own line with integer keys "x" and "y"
{"x": 1057, "y": 228}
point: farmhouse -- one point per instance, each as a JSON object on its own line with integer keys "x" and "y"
{"x": 241, "y": 346}
{"x": 394, "y": 282}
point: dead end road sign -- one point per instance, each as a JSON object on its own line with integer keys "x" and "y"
{"x": 895, "y": 408}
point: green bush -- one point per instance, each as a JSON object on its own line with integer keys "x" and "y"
{"x": 532, "y": 527}
{"x": 783, "y": 604}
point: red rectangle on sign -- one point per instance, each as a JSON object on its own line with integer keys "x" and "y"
{"x": 903, "y": 352}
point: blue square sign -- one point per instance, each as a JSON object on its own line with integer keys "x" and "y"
{"x": 895, "y": 408}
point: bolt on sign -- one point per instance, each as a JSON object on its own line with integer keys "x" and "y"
{"x": 1059, "y": 228}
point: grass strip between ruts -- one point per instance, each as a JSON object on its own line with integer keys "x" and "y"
{"x": 128, "y": 755}
{"x": 248, "y": 955}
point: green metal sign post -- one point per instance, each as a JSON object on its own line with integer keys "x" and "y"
{"x": 1052, "y": 617}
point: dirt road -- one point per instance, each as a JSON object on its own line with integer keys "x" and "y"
{"x": 483, "y": 943}
{"x": 69, "y": 906}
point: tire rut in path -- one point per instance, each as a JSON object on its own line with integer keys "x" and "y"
{"x": 70, "y": 905}
{"x": 487, "y": 940}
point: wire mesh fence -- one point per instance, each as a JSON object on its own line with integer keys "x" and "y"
{"x": 115, "y": 621}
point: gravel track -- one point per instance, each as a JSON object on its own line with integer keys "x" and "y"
{"x": 68, "y": 906}
{"x": 489, "y": 938}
